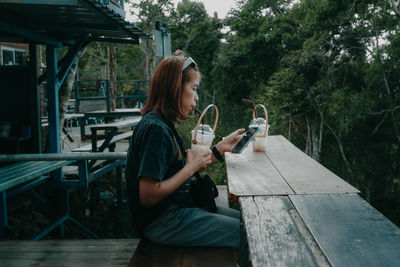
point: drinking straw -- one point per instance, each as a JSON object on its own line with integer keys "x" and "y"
{"x": 254, "y": 105}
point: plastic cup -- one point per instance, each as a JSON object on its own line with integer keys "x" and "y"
{"x": 260, "y": 140}
{"x": 204, "y": 139}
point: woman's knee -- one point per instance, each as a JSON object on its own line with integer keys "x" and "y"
{"x": 228, "y": 212}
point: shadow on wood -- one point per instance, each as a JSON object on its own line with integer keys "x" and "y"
{"x": 149, "y": 254}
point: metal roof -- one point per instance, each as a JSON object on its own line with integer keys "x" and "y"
{"x": 63, "y": 22}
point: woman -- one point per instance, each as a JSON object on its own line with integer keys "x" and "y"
{"x": 158, "y": 176}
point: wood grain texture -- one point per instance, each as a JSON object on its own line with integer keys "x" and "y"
{"x": 251, "y": 173}
{"x": 208, "y": 257}
{"x": 149, "y": 254}
{"x": 349, "y": 230}
{"x": 87, "y": 252}
{"x": 222, "y": 199}
{"x": 301, "y": 172}
{"x": 276, "y": 235}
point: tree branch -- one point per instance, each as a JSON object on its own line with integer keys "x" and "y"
{"x": 380, "y": 123}
{"x": 383, "y": 111}
{"x": 339, "y": 142}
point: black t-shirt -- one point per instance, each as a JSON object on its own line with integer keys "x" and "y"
{"x": 154, "y": 152}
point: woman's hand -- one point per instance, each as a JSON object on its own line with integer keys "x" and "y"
{"x": 152, "y": 191}
{"x": 198, "y": 160}
{"x": 229, "y": 142}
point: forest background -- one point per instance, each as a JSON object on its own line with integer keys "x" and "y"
{"x": 326, "y": 70}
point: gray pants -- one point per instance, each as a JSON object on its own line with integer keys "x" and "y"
{"x": 196, "y": 227}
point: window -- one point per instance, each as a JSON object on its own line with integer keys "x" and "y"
{"x": 12, "y": 56}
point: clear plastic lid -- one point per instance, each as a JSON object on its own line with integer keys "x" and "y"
{"x": 204, "y": 129}
{"x": 260, "y": 123}
{"x": 204, "y": 133}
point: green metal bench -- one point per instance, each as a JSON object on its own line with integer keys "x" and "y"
{"x": 34, "y": 169}
{"x": 22, "y": 176}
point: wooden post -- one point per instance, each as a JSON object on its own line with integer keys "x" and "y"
{"x": 112, "y": 68}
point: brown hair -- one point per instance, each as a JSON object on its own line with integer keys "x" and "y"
{"x": 166, "y": 86}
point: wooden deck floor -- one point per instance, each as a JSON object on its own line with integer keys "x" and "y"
{"x": 71, "y": 253}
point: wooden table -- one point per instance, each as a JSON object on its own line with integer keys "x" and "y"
{"x": 104, "y": 114}
{"x": 111, "y": 129}
{"x": 298, "y": 213}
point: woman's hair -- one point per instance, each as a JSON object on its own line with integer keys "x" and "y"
{"x": 166, "y": 88}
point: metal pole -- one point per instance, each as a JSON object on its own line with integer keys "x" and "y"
{"x": 53, "y": 104}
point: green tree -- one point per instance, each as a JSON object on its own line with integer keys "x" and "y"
{"x": 148, "y": 12}
{"x": 198, "y": 35}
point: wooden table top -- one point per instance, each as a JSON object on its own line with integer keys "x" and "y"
{"x": 298, "y": 213}
{"x": 120, "y": 112}
{"x": 119, "y": 125}
{"x": 282, "y": 169}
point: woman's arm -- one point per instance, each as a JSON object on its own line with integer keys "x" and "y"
{"x": 152, "y": 191}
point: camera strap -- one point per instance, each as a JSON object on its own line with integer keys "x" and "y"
{"x": 178, "y": 139}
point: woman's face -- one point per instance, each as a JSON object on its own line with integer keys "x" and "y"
{"x": 189, "y": 95}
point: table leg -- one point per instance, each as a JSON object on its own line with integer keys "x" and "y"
{"x": 82, "y": 127}
{"x": 94, "y": 140}
{"x": 3, "y": 214}
{"x": 243, "y": 250}
{"x": 119, "y": 189}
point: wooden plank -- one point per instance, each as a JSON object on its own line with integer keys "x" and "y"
{"x": 118, "y": 125}
{"x": 86, "y": 252}
{"x": 91, "y": 105}
{"x": 149, "y": 254}
{"x": 83, "y": 245}
{"x": 222, "y": 199}
{"x": 303, "y": 174}
{"x": 116, "y": 138}
{"x": 70, "y": 255}
{"x": 251, "y": 173}
{"x": 349, "y": 230}
{"x": 152, "y": 255}
{"x": 65, "y": 262}
{"x": 209, "y": 257}
{"x": 122, "y": 111}
{"x": 276, "y": 235}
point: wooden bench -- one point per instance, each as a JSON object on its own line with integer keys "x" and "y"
{"x": 150, "y": 255}
{"x": 67, "y": 252}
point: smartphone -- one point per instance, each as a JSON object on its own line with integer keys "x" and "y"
{"x": 247, "y": 137}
